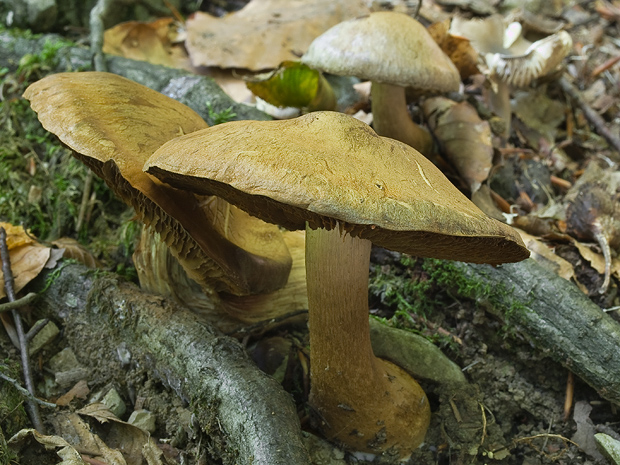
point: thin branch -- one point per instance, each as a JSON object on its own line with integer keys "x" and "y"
{"x": 19, "y": 303}
{"x": 32, "y": 407}
{"x": 24, "y": 392}
{"x": 600, "y": 125}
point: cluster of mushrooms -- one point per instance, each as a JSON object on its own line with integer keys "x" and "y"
{"x": 218, "y": 197}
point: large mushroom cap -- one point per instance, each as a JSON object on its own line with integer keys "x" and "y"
{"x": 386, "y": 47}
{"x": 113, "y": 125}
{"x": 326, "y": 168}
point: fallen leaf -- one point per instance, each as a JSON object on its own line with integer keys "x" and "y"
{"x": 154, "y": 42}
{"x": 458, "y": 48}
{"x": 15, "y": 235}
{"x": 135, "y": 443}
{"x": 539, "y": 113}
{"x": 546, "y": 257}
{"x": 26, "y": 256}
{"x": 464, "y": 138}
{"x": 265, "y": 32}
{"x": 295, "y": 84}
{"x": 76, "y": 251}
{"x": 31, "y": 440}
{"x": 80, "y": 390}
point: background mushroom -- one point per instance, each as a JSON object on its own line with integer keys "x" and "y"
{"x": 510, "y": 59}
{"x": 394, "y": 51}
{"x": 332, "y": 175}
{"x": 113, "y": 125}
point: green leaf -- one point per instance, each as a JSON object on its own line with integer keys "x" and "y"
{"x": 294, "y": 84}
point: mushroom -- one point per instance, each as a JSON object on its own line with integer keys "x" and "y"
{"x": 348, "y": 187}
{"x": 113, "y": 125}
{"x": 509, "y": 58}
{"x": 394, "y": 51}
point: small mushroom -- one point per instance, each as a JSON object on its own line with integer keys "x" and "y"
{"x": 113, "y": 125}
{"x": 510, "y": 59}
{"x": 332, "y": 175}
{"x": 394, "y": 51}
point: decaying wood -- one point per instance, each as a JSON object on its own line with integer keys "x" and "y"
{"x": 246, "y": 414}
{"x": 552, "y": 313}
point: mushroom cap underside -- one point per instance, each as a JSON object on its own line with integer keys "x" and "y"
{"x": 387, "y": 47}
{"x": 114, "y": 124}
{"x": 331, "y": 170}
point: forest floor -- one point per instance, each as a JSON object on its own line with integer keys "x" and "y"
{"x": 520, "y": 405}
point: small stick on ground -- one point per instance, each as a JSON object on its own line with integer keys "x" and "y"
{"x": 32, "y": 407}
{"x": 568, "y": 400}
{"x": 591, "y": 115}
{"x": 18, "y": 303}
{"x": 24, "y": 392}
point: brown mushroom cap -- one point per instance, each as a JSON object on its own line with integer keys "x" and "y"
{"x": 386, "y": 47}
{"x": 114, "y": 124}
{"x": 326, "y": 168}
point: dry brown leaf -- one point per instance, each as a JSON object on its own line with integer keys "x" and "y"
{"x": 596, "y": 259}
{"x": 464, "y": 138}
{"x": 153, "y": 42}
{"x": 76, "y": 251}
{"x": 15, "y": 235}
{"x": 136, "y": 444}
{"x": 31, "y": 440}
{"x": 265, "y": 32}
{"x": 27, "y": 261}
{"x": 458, "y": 48}
{"x": 545, "y": 255}
{"x": 80, "y": 390}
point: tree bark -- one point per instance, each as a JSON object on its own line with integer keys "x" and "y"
{"x": 551, "y": 312}
{"x": 247, "y": 416}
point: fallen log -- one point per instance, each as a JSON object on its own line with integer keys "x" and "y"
{"x": 246, "y": 414}
{"x": 551, "y": 312}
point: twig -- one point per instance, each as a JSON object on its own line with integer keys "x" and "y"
{"x": 36, "y": 328}
{"x": 32, "y": 407}
{"x": 592, "y": 116}
{"x": 570, "y": 391}
{"x": 88, "y": 182}
{"x": 18, "y": 303}
{"x": 24, "y": 392}
{"x": 97, "y": 27}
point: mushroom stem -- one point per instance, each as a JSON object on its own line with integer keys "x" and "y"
{"x": 366, "y": 403}
{"x": 499, "y": 101}
{"x": 391, "y": 117}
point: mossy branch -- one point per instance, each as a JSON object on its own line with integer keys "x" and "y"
{"x": 548, "y": 310}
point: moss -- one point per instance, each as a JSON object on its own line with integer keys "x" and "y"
{"x": 418, "y": 290}
{"x": 452, "y": 276}
{"x": 12, "y": 413}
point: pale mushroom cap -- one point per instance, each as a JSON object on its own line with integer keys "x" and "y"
{"x": 386, "y": 47}
{"x": 540, "y": 58}
{"x": 328, "y": 168}
{"x": 508, "y": 56}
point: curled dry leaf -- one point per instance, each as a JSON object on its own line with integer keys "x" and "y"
{"x": 27, "y": 257}
{"x": 265, "y": 32}
{"x": 545, "y": 255}
{"x": 464, "y": 138}
{"x": 76, "y": 251}
{"x": 31, "y": 440}
{"x": 458, "y": 48}
{"x": 155, "y": 42}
